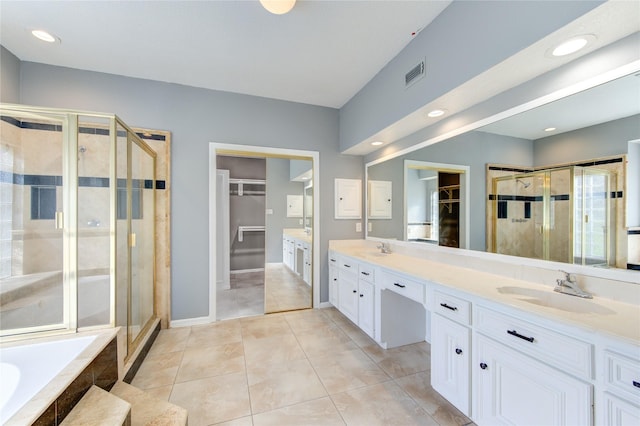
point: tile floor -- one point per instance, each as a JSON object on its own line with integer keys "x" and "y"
{"x": 311, "y": 367}
{"x": 277, "y": 289}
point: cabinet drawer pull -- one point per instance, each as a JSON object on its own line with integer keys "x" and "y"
{"x": 399, "y": 285}
{"x": 333, "y": 260}
{"x": 515, "y": 333}
{"x": 347, "y": 266}
{"x": 453, "y": 308}
{"x": 459, "y": 351}
{"x": 483, "y": 365}
{"x": 636, "y": 384}
{"x": 362, "y": 295}
{"x": 335, "y": 279}
{"x": 365, "y": 273}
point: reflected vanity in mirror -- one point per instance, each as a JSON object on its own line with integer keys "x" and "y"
{"x": 558, "y": 182}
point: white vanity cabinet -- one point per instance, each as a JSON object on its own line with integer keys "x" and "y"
{"x": 348, "y": 289}
{"x": 288, "y": 252}
{"x": 333, "y": 278}
{"x": 366, "y": 298}
{"x": 618, "y": 404}
{"x": 521, "y": 374}
{"x": 451, "y": 349}
{"x": 297, "y": 253}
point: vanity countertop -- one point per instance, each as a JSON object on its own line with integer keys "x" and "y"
{"x": 298, "y": 234}
{"x": 597, "y": 315}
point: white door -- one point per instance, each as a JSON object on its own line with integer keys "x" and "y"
{"x": 514, "y": 389}
{"x": 366, "y": 307}
{"x": 450, "y": 361}
{"x": 223, "y": 275}
{"x": 348, "y": 198}
{"x": 618, "y": 412}
{"x": 333, "y": 285}
{"x": 380, "y": 199}
{"x": 348, "y": 295}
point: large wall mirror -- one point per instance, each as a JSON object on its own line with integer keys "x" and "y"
{"x": 559, "y": 182}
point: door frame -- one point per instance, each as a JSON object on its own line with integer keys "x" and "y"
{"x": 260, "y": 151}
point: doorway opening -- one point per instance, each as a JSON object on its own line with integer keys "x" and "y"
{"x": 262, "y": 231}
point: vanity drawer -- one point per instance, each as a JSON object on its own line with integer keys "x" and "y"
{"x": 560, "y": 351}
{"x": 406, "y": 287}
{"x": 623, "y": 374}
{"x": 334, "y": 259}
{"x": 452, "y": 307}
{"x": 348, "y": 264}
{"x": 367, "y": 272}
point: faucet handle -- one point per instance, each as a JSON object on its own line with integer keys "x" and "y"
{"x": 568, "y": 276}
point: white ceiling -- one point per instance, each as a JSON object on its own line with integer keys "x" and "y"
{"x": 321, "y": 53}
{"x": 611, "y": 101}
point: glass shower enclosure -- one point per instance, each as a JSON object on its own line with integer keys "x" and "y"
{"x": 563, "y": 214}
{"x": 77, "y": 218}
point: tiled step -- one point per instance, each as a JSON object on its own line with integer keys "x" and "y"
{"x": 99, "y": 408}
{"x": 148, "y": 410}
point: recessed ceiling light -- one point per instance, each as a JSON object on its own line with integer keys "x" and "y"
{"x": 377, "y": 143}
{"x": 278, "y": 7}
{"x": 549, "y": 129}
{"x": 436, "y": 113}
{"x": 44, "y": 36}
{"x": 572, "y": 45}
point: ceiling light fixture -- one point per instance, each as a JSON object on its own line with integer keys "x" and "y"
{"x": 572, "y": 45}
{"x": 44, "y": 36}
{"x": 549, "y": 129}
{"x": 436, "y": 113}
{"x": 377, "y": 143}
{"x": 278, "y": 7}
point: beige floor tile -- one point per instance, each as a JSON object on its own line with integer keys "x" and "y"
{"x": 198, "y": 363}
{"x": 358, "y": 336}
{"x": 264, "y": 326}
{"x": 309, "y": 319}
{"x": 272, "y": 350}
{"x": 279, "y": 385}
{"x": 419, "y": 387}
{"x": 401, "y": 361}
{"x": 213, "y": 399}
{"x": 161, "y": 392}
{"x": 243, "y": 421}
{"x": 219, "y": 333}
{"x": 324, "y": 340}
{"x": 319, "y": 412}
{"x": 384, "y": 404}
{"x": 347, "y": 370}
{"x": 158, "y": 371}
{"x": 170, "y": 340}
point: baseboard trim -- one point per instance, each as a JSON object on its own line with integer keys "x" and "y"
{"x": 325, "y": 305}
{"x": 188, "y": 322}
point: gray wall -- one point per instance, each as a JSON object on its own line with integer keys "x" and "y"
{"x": 10, "y": 81}
{"x": 473, "y": 149}
{"x": 196, "y": 117}
{"x": 466, "y": 39}
{"x": 279, "y": 186}
{"x": 602, "y": 140}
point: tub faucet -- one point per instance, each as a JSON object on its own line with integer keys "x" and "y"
{"x": 384, "y": 248}
{"x": 569, "y": 286}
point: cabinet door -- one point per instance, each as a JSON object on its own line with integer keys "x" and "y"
{"x": 348, "y": 202}
{"x": 450, "y": 361}
{"x": 513, "y": 389}
{"x": 380, "y": 199}
{"x": 348, "y": 295}
{"x": 366, "y": 307}
{"x": 333, "y": 285}
{"x": 618, "y": 412}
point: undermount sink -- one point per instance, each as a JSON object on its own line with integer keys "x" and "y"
{"x": 550, "y": 299}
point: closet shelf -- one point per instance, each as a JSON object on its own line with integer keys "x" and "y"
{"x": 242, "y": 182}
{"x": 249, "y": 228}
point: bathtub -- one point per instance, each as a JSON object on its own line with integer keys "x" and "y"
{"x": 28, "y": 368}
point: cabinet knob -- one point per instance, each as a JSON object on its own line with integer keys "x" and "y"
{"x": 362, "y": 295}
{"x": 458, "y": 351}
{"x": 483, "y": 365}
{"x": 354, "y": 291}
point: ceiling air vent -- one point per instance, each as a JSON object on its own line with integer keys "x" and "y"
{"x": 415, "y": 74}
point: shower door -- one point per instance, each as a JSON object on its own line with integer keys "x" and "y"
{"x": 37, "y": 222}
{"x": 591, "y": 218}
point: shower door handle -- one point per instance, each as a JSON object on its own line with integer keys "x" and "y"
{"x": 59, "y": 220}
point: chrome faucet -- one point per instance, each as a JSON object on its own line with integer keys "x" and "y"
{"x": 568, "y": 285}
{"x": 384, "y": 248}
